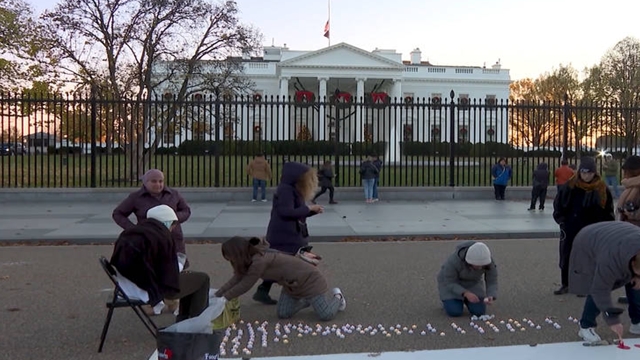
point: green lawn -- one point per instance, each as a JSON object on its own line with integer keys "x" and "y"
{"x": 200, "y": 171}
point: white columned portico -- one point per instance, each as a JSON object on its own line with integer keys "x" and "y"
{"x": 393, "y": 147}
{"x": 360, "y": 123}
{"x": 284, "y": 121}
{"x": 322, "y": 100}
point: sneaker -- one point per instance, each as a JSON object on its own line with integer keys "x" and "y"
{"x": 264, "y": 200}
{"x": 263, "y": 297}
{"x": 589, "y": 335}
{"x": 635, "y": 329}
{"x": 541, "y": 208}
{"x": 343, "y": 302}
{"x": 253, "y": 200}
{"x": 531, "y": 209}
{"x": 375, "y": 200}
{"x": 333, "y": 202}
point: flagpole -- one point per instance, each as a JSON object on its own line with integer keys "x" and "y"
{"x": 329, "y": 6}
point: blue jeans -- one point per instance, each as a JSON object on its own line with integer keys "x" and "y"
{"x": 613, "y": 182}
{"x": 375, "y": 187}
{"x": 591, "y": 311}
{"x": 257, "y": 183}
{"x": 367, "y": 184}
{"x": 455, "y": 307}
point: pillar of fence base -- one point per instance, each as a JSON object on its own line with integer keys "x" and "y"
{"x": 285, "y": 126}
{"x": 322, "y": 117}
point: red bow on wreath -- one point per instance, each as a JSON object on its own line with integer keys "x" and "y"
{"x": 379, "y": 97}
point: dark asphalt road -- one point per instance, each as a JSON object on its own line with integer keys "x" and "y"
{"x": 52, "y": 300}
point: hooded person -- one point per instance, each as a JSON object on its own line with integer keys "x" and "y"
{"x": 468, "y": 277}
{"x": 540, "y": 185}
{"x": 303, "y": 284}
{"x": 287, "y": 230}
{"x": 146, "y": 255}
{"x": 583, "y": 200}
{"x": 153, "y": 193}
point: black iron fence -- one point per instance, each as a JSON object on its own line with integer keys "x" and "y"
{"x": 205, "y": 141}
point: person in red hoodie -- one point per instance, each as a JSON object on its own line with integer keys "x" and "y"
{"x": 563, "y": 173}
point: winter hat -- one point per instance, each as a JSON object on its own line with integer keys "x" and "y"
{"x": 587, "y": 164}
{"x": 478, "y": 254}
{"x": 632, "y": 163}
{"x": 162, "y": 213}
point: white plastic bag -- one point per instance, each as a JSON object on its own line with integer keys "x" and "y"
{"x": 202, "y": 323}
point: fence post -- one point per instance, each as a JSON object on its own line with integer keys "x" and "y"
{"x": 217, "y": 147}
{"x": 94, "y": 115}
{"x": 565, "y": 127}
{"x": 452, "y": 138}
{"x": 336, "y": 144}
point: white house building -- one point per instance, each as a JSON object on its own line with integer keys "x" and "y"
{"x": 364, "y": 80}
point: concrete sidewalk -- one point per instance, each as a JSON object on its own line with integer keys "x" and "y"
{"x": 90, "y": 222}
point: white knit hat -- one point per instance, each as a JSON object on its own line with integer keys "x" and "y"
{"x": 478, "y": 254}
{"x": 162, "y": 213}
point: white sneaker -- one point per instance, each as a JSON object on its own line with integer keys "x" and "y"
{"x": 264, "y": 200}
{"x": 635, "y": 329}
{"x": 343, "y": 302}
{"x": 589, "y": 335}
{"x": 253, "y": 200}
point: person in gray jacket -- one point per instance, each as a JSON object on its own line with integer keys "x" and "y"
{"x": 605, "y": 257}
{"x": 463, "y": 277}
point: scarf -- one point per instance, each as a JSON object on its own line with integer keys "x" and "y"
{"x": 596, "y": 185}
{"x": 631, "y": 192}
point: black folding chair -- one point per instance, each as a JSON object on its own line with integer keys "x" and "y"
{"x": 119, "y": 300}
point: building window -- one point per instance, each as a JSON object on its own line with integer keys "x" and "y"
{"x": 229, "y": 131}
{"x": 407, "y": 133}
{"x": 408, "y": 98}
{"x": 436, "y": 101}
{"x": 436, "y": 133}
{"x": 491, "y": 102}
{"x": 463, "y": 101}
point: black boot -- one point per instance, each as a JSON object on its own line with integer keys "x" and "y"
{"x": 562, "y": 290}
{"x": 262, "y": 295}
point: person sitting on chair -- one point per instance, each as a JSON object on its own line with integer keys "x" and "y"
{"x": 146, "y": 255}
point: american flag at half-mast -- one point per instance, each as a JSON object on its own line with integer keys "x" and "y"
{"x": 326, "y": 30}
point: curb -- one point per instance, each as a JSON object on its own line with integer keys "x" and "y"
{"x": 312, "y": 239}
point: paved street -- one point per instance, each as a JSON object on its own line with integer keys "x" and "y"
{"x": 52, "y": 300}
{"x": 90, "y": 222}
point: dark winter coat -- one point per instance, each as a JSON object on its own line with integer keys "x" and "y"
{"x": 575, "y": 208}
{"x": 289, "y": 212}
{"x": 368, "y": 170}
{"x": 325, "y": 177}
{"x": 146, "y": 254}
{"x": 600, "y": 262}
{"x": 378, "y": 164}
{"x": 456, "y": 276}
{"x": 541, "y": 176}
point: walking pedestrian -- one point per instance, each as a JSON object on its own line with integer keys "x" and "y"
{"x": 325, "y": 177}
{"x": 540, "y": 185}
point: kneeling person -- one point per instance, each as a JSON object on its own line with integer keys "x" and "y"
{"x": 303, "y": 284}
{"x": 605, "y": 257}
{"x": 463, "y": 277}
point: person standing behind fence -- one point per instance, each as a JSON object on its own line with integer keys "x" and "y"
{"x": 325, "y": 177}
{"x": 260, "y": 171}
{"x": 501, "y": 174}
{"x": 563, "y": 173}
{"x": 583, "y": 200}
{"x": 611, "y": 170}
{"x": 368, "y": 173}
{"x": 540, "y": 184}
{"x": 377, "y": 163}
{"x": 154, "y": 193}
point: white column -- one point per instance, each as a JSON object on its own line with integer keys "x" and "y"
{"x": 393, "y": 147}
{"x": 284, "y": 121}
{"x": 322, "y": 116}
{"x": 360, "y": 122}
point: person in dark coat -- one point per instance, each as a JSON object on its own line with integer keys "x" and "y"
{"x": 540, "y": 184}
{"x": 605, "y": 257}
{"x": 583, "y": 200}
{"x": 325, "y": 177}
{"x": 287, "y": 230}
{"x": 146, "y": 255}
{"x": 378, "y": 164}
{"x": 154, "y": 193}
{"x": 368, "y": 172}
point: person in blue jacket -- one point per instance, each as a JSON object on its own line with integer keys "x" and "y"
{"x": 287, "y": 231}
{"x": 501, "y": 174}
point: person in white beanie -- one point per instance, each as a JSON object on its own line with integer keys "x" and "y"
{"x": 146, "y": 254}
{"x": 468, "y": 277}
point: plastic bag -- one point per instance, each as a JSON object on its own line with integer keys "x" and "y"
{"x": 230, "y": 315}
{"x": 202, "y": 323}
{"x": 181, "y": 346}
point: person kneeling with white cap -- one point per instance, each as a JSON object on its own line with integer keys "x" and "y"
{"x": 463, "y": 277}
{"x": 146, "y": 256}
